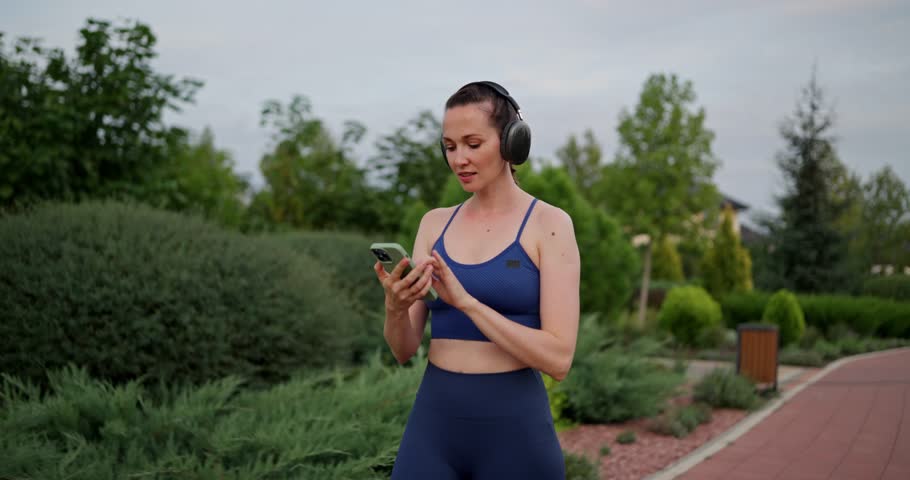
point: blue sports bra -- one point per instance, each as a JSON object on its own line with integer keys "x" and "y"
{"x": 508, "y": 283}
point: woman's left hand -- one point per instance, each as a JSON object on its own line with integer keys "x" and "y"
{"x": 447, "y": 285}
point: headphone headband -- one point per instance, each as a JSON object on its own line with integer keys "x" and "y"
{"x": 500, "y": 90}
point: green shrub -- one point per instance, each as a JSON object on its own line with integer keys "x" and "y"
{"x": 792, "y": 355}
{"x": 558, "y": 402}
{"x": 810, "y": 336}
{"x": 783, "y": 310}
{"x": 688, "y": 312}
{"x": 347, "y": 257}
{"x": 626, "y": 437}
{"x": 578, "y": 467}
{"x": 723, "y": 388}
{"x": 680, "y": 421}
{"x": 894, "y": 287}
{"x": 827, "y": 350}
{"x": 604, "y": 450}
{"x": 619, "y": 383}
{"x": 128, "y": 291}
{"x": 321, "y": 425}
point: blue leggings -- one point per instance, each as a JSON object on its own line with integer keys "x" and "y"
{"x": 480, "y": 426}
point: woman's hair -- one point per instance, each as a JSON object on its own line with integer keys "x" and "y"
{"x": 502, "y": 113}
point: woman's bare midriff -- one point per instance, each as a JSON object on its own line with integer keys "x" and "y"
{"x": 471, "y": 356}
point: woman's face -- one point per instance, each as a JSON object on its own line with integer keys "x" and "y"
{"x": 472, "y": 145}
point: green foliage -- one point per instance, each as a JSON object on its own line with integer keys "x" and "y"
{"x": 689, "y": 313}
{"x": 626, "y": 437}
{"x": 321, "y": 425}
{"x": 895, "y": 287}
{"x": 783, "y": 310}
{"x": 727, "y": 266}
{"x": 605, "y": 450}
{"x": 680, "y": 421}
{"x": 558, "y": 402}
{"x": 866, "y": 315}
{"x": 809, "y": 251}
{"x": 199, "y": 178}
{"x": 410, "y": 221}
{"x": 608, "y": 261}
{"x": 410, "y": 163}
{"x": 90, "y": 125}
{"x": 885, "y": 222}
{"x": 667, "y": 263}
{"x": 346, "y": 257}
{"x": 661, "y": 177}
{"x": 792, "y": 355}
{"x": 578, "y": 467}
{"x": 582, "y": 163}
{"x": 311, "y": 179}
{"x": 129, "y": 291}
{"x": 660, "y": 181}
{"x": 616, "y": 384}
{"x": 723, "y": 388}
{"x": 744, "y": 307}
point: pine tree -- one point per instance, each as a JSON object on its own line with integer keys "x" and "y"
{"x": 809, "y": 250}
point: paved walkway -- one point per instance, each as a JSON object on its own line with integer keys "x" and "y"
{"x": 852, "y": 423}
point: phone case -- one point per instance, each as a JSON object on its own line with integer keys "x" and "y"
{"x": 389, "y": 254}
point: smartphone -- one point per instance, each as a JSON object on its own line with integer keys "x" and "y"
{"x": 392, "y": 253}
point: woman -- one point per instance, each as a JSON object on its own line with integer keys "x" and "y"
{"x": 506, "y": 268}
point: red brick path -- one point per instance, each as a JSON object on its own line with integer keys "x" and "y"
{"x": 854, "y": 423}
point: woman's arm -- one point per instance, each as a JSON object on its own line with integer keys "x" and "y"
{"x": 551, "y": 348}
{"x": 403, "y": 329}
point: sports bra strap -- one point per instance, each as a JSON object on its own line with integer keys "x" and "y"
{"x": 527, "y": 215}
{"x": 450, "y": 219}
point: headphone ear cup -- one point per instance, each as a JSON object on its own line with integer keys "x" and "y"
{"x": 515, "y": 144}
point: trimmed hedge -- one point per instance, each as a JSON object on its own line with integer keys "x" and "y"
{"x": 895, "y": 287}
{"x": 129, "y": 291}
{"x": 866, "y": 316}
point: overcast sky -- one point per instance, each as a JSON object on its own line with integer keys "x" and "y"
{"x": 571, "y": 65}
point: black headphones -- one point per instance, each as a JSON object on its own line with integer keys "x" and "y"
{"x": 515, "y": 138}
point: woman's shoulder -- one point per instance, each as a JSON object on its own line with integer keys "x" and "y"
{"x": 547, "y": 216}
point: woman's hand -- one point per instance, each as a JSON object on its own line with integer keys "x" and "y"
{"x": 401, "y": 293}
{"x": 447, "y": 285}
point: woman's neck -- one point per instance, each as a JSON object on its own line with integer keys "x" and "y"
{"x": 498, "y": 197}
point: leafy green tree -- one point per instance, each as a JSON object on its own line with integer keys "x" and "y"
{"x": 582, "y": 162}
{"x": 886, "y": 215}
{"x": 199, "y": 177}
{"x": 727, "y": 265}
{"x": 311, "y": 180}
{"x": 411, "y": 167}
{"x": 91, "y": 125}
{"x": 661, "y": 177}
{"x": 609, "y": 264}
{"x": 808, "y": 248}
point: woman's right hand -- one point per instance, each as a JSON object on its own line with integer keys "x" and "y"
{"x": 401, "y": 293}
